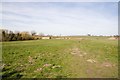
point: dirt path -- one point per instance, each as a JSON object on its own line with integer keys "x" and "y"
{"x": 77, "y": 52}
{"x": 84, "y": 65}
{"x": 76, "y": 64}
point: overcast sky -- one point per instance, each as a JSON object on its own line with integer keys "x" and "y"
{"x": 65, "y": 18}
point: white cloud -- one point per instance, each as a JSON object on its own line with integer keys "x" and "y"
{"x": 58, "y": 20}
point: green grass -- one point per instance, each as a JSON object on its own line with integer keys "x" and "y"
{"x": 53, "y": 58}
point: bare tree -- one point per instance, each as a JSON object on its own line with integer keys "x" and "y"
{"x": 33, "y": 33}
{"x": 41, "y": 34}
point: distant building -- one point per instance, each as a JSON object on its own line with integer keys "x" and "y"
{"x": 47, "y": 37}
{"x": 59, "y": 38}
{"x": 37, "y": 37}
{"x": 62, "y": 38}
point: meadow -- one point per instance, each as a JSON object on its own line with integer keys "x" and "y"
{"x": 89, "y": 57}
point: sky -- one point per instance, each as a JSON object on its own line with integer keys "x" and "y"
{"x": 59, "y": 0}
{"x": 61, "y": 18}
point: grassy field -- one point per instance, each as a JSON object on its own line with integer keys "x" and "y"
{"x": 89, "y": 57}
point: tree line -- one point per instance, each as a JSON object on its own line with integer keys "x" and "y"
{"x": 7, "y": 35}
